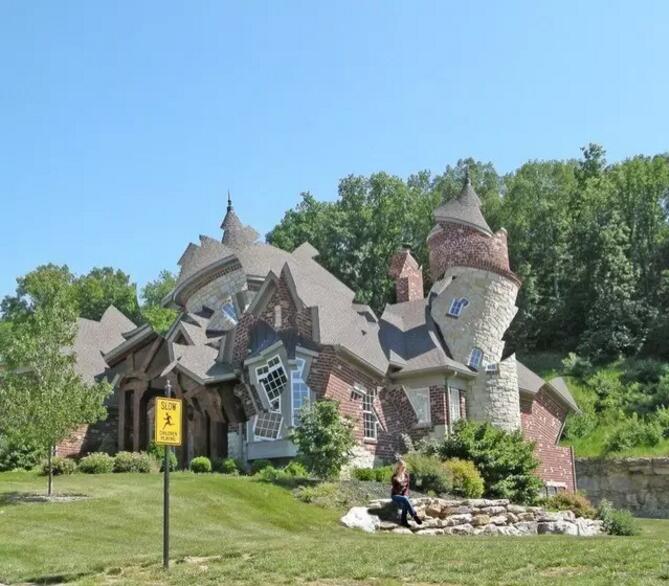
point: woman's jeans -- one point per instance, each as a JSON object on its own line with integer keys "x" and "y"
{"x": 405, "y": 505}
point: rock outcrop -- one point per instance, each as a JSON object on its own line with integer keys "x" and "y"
{"x": 471, "y": 517}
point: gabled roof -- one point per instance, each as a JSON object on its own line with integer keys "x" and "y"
{"x": 411, "y": 340}
{"x": 531, "y": 383}
{"x": 464, "y": 209}
{"x": 95, "y": 338}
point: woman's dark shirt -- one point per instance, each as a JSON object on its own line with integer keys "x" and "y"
{"x": 400, "y": 488}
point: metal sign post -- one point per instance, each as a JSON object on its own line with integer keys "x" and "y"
{"x": 167, "y": 427}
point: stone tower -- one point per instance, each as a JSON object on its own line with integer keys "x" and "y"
{"x": 473, "y": 303}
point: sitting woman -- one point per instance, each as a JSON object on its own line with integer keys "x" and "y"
{"x": 400, "y": 493}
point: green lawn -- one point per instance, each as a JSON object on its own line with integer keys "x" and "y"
{"x": 259, "y": 534}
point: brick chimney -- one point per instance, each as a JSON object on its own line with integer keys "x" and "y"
{"x": 408, "y": 276}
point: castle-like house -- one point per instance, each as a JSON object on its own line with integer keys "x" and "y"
{"x": 263, "y": 332}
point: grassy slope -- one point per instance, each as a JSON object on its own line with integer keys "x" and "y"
{"x": 263, "y": 535}
{"x": 549, "y": 365}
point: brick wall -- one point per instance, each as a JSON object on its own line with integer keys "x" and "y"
{"x": 458, "y": 245}
{"x": 91, "y": 438}
{"x": 542, "y": 421}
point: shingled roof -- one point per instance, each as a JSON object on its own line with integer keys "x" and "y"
{"x": 464, "y": 209}
{"x": 235, "y": 234}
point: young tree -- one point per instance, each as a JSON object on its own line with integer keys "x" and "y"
{"x": 160, "y": 318}
{"x": 324, "y": 439}
{"x": 41, "y": 395}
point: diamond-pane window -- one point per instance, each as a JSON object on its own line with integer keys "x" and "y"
{"x": 268, "y": 426}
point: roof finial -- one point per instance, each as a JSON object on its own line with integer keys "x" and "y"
{"x": 229, "y": 201}
{"x": 468, "y": 179}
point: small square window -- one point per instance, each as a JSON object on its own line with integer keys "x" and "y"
{"x": 492, "y": 368}
{"x": 457, "y": 305}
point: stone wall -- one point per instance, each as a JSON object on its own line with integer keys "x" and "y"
{"x": 638, "y": 484}
{"x": 494, "y": 396}
{"x": 484, "y": 320}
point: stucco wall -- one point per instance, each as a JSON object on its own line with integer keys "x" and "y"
{"x": 638, "y": 484}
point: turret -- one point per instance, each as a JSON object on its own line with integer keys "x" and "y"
{"x": 235, "y": 234}
{"x": 473, "y": 303}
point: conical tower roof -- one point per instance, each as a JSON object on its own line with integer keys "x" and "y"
{"x": 234, "y": 232}
{"x": 464, "y": 209}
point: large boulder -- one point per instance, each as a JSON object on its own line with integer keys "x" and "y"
{"x": 359, "y": 518}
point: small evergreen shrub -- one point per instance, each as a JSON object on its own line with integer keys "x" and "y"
{"x": 17, "y": 454}
{"x": 505, "y": 460}
{"x": 226, "y": 466}
{"x": 271, "y": 474}
{"x": 428, "y": 473}
{"x": 200, "y": 465}
{"x": 323, "y": 494}
{"x": 466, "y": 479}
{"x": 132, "y": 462}
{"x": 383, "y": 474}
{"x": 632, "y": 432}
{"x": 96, "y": 463}
{"x": 571, "y": 501}
{"x": 59, "y": 466}
{"x": 258, "y": 465}
{"x": 616, "y": 521}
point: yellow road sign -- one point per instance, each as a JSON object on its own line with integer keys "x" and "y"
{"x": 168, "y": 422}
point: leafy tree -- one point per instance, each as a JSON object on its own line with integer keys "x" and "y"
{"x": 102, "y": 287}
{"x": 41, "y": 396}
{"x": 324, "y": 439}
{"x": 160, "y": 318}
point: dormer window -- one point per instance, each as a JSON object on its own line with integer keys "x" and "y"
{"x": 475, "y": 358}
{"x": 230, "y": 311}
{"x": 457, "y": 305}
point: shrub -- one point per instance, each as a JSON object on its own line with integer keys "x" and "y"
{"x": 633, "y": 432}
{"x": 571, "y": 501}
{"x": 226, "y": 466}
{"x": 467, "y": 480}
{"x": 505, "y": 460}
{"x": 271, "y": 474}
{"x": 258, "y": 465}
{"x": 16, "y": 454}
{"x": 324, "y": 439}
{"x": 132, "y": 462}
{"x": 616, "y": 521}
{"x": 576, "y": 366}
{"x": 383, "y": 474}
{"x": 158, "y": 453}
{"x": 323, "y": 494}
{"x": 59, "y": 466}
{"x": 364, "y": 474}
{"x": 96, "y": 463}
{"x": 428, "y": 473}
{"x": 662, "y": 420}
{"x": 200, "y": 465}
{"x": 296, "y": 469}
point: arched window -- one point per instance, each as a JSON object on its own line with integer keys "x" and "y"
{"x": 475, "y": 358}
{"x": 457, "y": 305}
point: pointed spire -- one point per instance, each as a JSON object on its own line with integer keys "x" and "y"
{"x": 464, "y": 209}
{"x": 234, "y": 232}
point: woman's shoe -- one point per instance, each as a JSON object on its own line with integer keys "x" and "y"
{"x": 418, "y": 520}
{"x": 405, "y": 523}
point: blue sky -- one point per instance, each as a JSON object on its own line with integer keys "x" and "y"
{"x": 122, "y": 124}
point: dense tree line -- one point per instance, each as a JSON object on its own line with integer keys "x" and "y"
{"x": 589, "y": 240}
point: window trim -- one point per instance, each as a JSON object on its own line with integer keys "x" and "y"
{"x": 452, "y": 389}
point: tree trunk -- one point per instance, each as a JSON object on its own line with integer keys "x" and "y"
{"x": 50, "y": 470}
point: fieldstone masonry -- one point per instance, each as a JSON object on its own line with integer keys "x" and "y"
{"x": 494, "y": 397}
{"x": 638, "y": 484}
{"x": 470, "y": 517}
